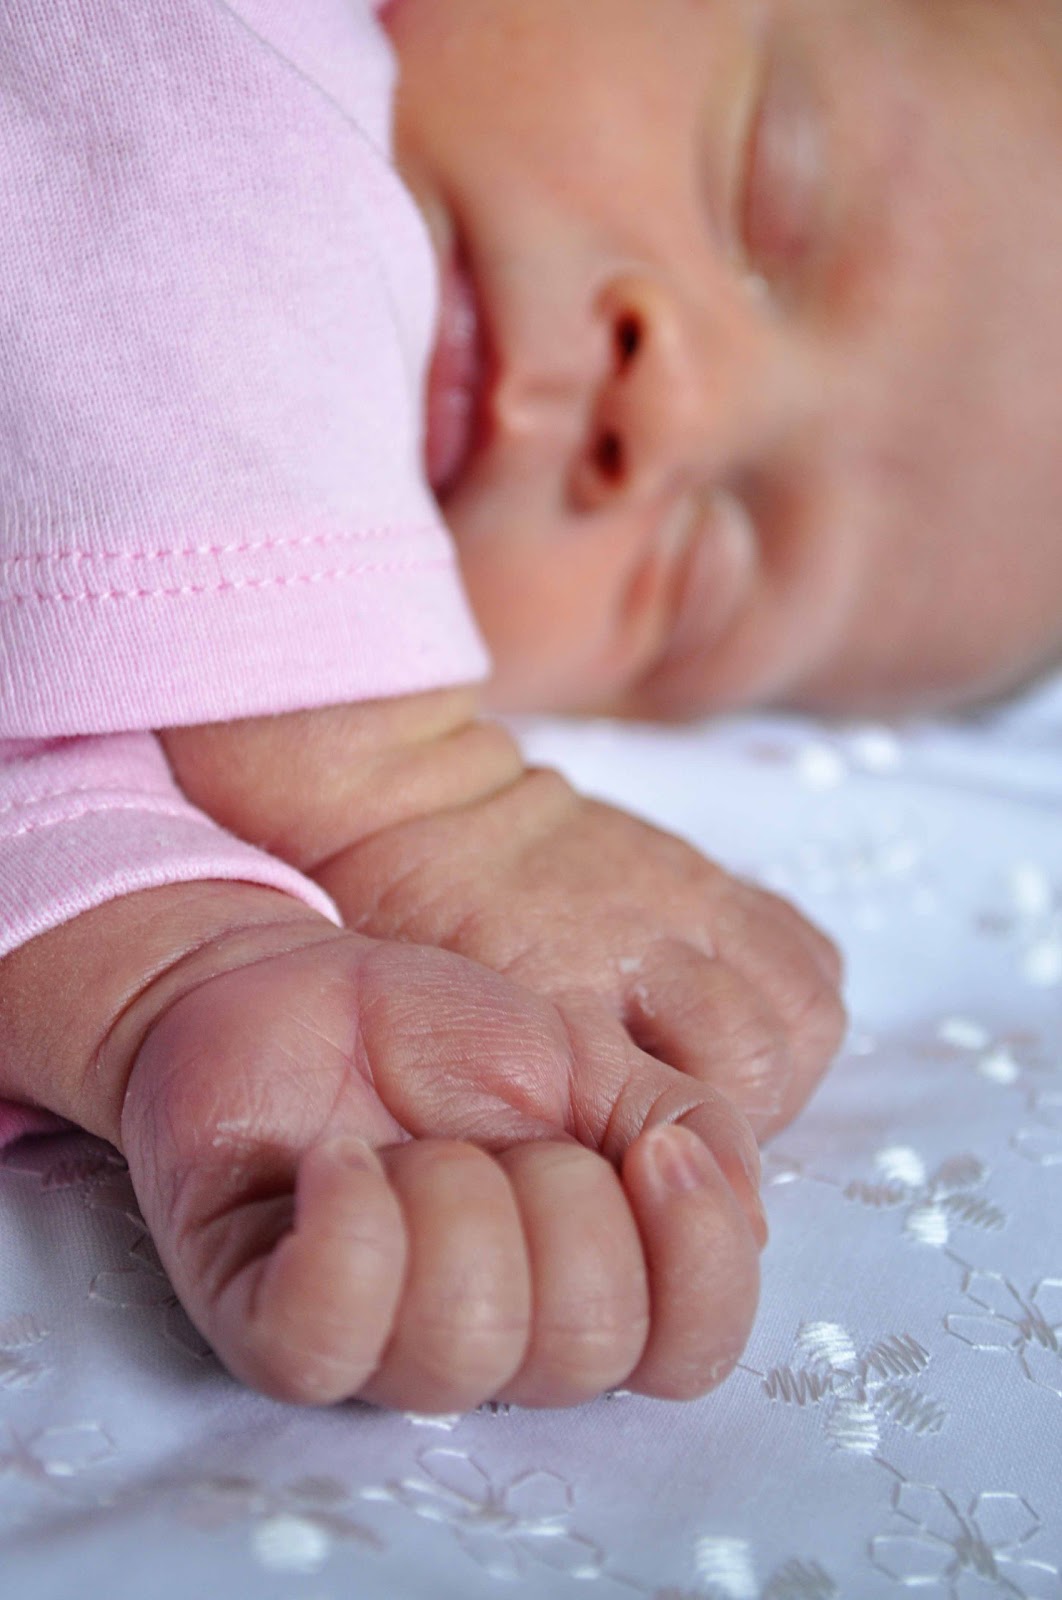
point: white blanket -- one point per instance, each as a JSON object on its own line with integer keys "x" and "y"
{"x": 896, "y": 1423}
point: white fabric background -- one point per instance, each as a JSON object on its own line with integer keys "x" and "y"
{"x": 897, "y": 1422}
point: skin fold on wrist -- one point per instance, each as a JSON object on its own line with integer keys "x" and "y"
{"x": 310, "y": 784}
{"x": 119, "y": 967}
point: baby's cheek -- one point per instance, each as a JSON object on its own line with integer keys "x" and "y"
{"x": 560, "y": 626}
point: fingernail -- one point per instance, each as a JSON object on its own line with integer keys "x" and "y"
{"x": 681, "y": 1163}
{"x": 351, "y": 1153}
{"x": 679, "y": 1160}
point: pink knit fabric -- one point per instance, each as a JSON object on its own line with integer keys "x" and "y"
{"x": 218, "y": 304}
{"x": 216, "y": 310}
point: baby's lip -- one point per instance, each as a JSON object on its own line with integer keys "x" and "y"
{"x": 457, "y": 378}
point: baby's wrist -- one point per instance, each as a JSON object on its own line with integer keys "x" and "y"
{"x": 308, "y": 785}
{"x": 111, "y": 973}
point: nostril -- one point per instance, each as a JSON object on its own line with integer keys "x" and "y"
{"x": 610, "y": 456}
{"x": 628, "y": 339}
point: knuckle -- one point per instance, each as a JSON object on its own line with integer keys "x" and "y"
{"x": 469, "y": 1346}
{"x": 600, "y": 1347}
{"x": 818, "y": 1019}
{"x": 757, "y": 1050}
{"x": 296, "y": 1373}
{"x": 801, "y": 931}
{"x": 317, "y": 1365}
{"x": 442, "y": 1162}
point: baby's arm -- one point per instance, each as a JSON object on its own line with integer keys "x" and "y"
{"x": 371, "y": 1169}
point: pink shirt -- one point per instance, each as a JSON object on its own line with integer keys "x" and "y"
{"x": 216, "y": 309}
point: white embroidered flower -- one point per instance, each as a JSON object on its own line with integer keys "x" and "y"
{"x": 1040, "y": 1141}
{"x": 933, "y": 1203}
{"x": 502, "y": 1528}
{"x": 964, "y": 1553}
{"x": 291, "y": 1527}
{"x": 1005, "y": 1318}
{"x": 858, "y": 1394}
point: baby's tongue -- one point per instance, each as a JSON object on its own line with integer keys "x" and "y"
{"x": 454, "y": 381}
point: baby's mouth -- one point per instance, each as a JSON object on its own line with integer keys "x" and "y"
{"x": 456, "y": 380}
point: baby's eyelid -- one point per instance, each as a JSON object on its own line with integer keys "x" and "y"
{"x": 779, "y": 200}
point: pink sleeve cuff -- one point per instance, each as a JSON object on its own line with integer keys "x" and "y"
{"x": 84, "y": 821}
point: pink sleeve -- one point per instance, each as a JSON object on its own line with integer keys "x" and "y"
{"x": 85, "y": 820}
{"x": 216, "y": 309}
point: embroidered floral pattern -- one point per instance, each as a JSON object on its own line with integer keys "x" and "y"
{"x": 293, "y": 1528}
{"x": 1040, "y": 1140}
{"x": 51, "y": 1458}
{"x": 1026, "y": 1323}
{"x": 985, "y": 1547}
{"x": 19, "y": 1336}
{"x": 142, "y": 1284}
{"x": 504, "y": 1528}
{"x": 857, "y": 1393}
{"x": 932, "y": 1203}
{"x": 728, "y": 1571}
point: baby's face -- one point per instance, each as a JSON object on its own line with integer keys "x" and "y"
{"x": 750, "y": 377}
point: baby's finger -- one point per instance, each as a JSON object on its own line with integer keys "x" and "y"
{"x": 618, "y": 1092}
{"x": 708, "y": 1021}
{"x": 771, "y": 946}
{"x": 462, "y": 1325}
{"x": 702, "y": 1263}
{"x": 306, "y": 1316}
{"x": 590, "y": 1316}
{"x": 822, "y": 948}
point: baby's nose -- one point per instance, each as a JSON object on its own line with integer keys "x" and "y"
{"x": 690, "y": 395}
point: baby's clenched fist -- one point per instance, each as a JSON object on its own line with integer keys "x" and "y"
{"x": 381, "y": 1171}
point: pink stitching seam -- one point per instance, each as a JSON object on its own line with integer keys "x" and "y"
{"x": 162, "y": 809}
{"x": 248, "y": 547}
{"x": 29, "y": 801}
{"x": 279, "y": 582}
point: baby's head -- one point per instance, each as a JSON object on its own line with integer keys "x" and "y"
{"x": 750, "y": 383}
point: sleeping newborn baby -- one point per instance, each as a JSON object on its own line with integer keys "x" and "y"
{"x": 767, "y": 378}
{"x": 744, "y": 373}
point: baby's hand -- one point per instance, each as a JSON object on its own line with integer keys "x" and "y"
{"x": 425, "y": 826}
{"x": 379, "y": 1170}
{"x": 620, "y": 922}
